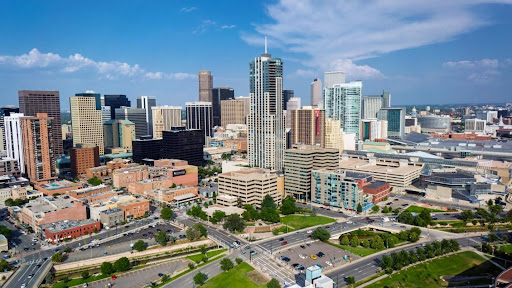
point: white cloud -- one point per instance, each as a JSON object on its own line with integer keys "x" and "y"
{"x": 484, "y": 63}
{"x": 227, "y": 26}
{"x": 188, "y": 9}
{"x": 333, "y": 32}
{"x": 478, "y": 71}
{"x": 74, "y": 63}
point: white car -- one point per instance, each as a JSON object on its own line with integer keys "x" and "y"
{"x": 309, "y": 231}
{"x": 302, "y": 256}
{"x": 328, "y": 263}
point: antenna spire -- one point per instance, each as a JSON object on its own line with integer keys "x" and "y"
{"x": 265, "y": 44}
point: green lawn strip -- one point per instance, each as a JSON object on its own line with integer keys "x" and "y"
{"x": 234, "y": 278}
{"x": 301, "y": 221}
{"x": 187, "y": 271}
{"x": 199, "y": 257}
{"x": 506, "y": 248}
{"x": 368, "y": 279}
{"x": 428, "y": 274}
{"x": 359, "y": 251}
{"x": 79, "y": 281}
{"x": 418, "y": 209}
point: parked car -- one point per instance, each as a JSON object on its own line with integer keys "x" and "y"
{"x": 328, "y": 263}
{"x": 114, "y": 277}
{"x": 284, "y": 243}
{"x": 320, "y": 254}
{"x": 281, "y": 239}
{"x": 312, "y": 257}
{"x": 309, "y": 231}
{"x": 302, "y": 246}
{"x": 253, "y": 252}
{"x": 302, "y": 256}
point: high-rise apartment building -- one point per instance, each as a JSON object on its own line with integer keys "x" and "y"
{"x": 13, "y": 138}
{"x": 316, "y": 92}
{"x": 488, "y": 116}
{"x": 165, "y": 117}
{"x": 205, "y": 86}
{"x": 233, "y": 112}
{"x": 119, "y": 133}
{"x": 333, "y": 134}
{"x": 308, "y": 126}
{"x": 32, "y": 102}
{"x": 114, "y": 102}
{"x": 396, "y": 121}
{"x": 146, "y": 102}
{"x": 219, "y": 94}
{"x": 86, "y": 119}
{"x": 266, "y": 123}
{"x": 247, "y": 101}
{"x": 342, "y": 101}
{"x": 5, "y": 111}
{"x": 299, "y": 162}
{"x": 199, "y": 116}
{"x": 292, "y": 104}
{"x": 372, "y": 129}
{"x": 38, "y": 147}
{"x": 373, "y": 103}
{"x": 83, "y": 157}
{"x": 135, "y": 115}
{"x": 287, "y": 95}
{"x": 184, "y": 144}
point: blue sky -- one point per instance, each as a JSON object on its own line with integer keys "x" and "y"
{"x": 423, "y": 52}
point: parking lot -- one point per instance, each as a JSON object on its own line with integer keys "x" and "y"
{"x": 310, "y": 256}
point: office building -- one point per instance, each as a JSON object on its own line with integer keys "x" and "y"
{"x": 475, "y": 125}
{"x": 316, "y": 92}
{"x": 308, "y": 126}
{"x": 184, "y": 144}
{"x": 5, "y": 111}
{"x": 250, "y": 186}
{"x": 9, "y": 167}
{"x": 342, "y": 101}
{"x": 83, "y": 157}
{"x": 298, "y": 164}
{"x": 165, "y": 117}
{"x": 119, "y": 134}
{"x": 233, "y": 112}
{"x": 32, "y": 102}
{"x": 134, "y": 209}
{"x": 396, "y": 121}
{"x": 435, "y": 123}
{"x": 57, "y": 232}
{"x": 332, "y": 78}
{"x": 199, "y": 116}
{"x": 218, "y": 95}
{"x": 124, "y": 176}
{"x": 13, "y": 139}
{"x": 287, "y": 95}
{"x": 135, "y": 115}
{"x": 333, "y": 135}
{"x": 38, "y": 147}
{"x": 146, "y": 149}
{"x": 146, "y": 103}
{"x": 266, "y": 124}
{"x": 371, "y": 106}
{"x": 488, "y": 116}
{"x": 86, "y": 120}
{"x": 106, "y": 114}
{"x": 372, "y": 129}
{"x": 205, "y": 86}
{"x": 247, "y": 101}
{"x": 292, "y": 104}
{"x": 114, "y": 102}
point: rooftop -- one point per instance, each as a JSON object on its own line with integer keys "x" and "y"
{"x": 376, "y": 184}
{"x": 59, "y": 184}
{"x": 249, "y": 174}
{"x": 392, "y": 167}
{"x": 65, "y": 225}
{"x": 50, "y": 204}
{"x": 185, "y": 196}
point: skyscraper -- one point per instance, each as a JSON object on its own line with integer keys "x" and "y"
{"x": 287, "y": 95}
{"x": 233, "y": 112}
{"x": 114, "y": 102}
{"x": 5, "y": 111}
{"x": 219, "y": 94}
{"x": 205, "y": 86}
{"x": 38, "y": 147}
{"x": 316, "y": 92}
{"x": 86, "y": 119}
{"x": 146, "y": 102}
{"x": 343, "y": 102}
{"x": 266, "y": 127}
{"x": 119, "y": 133}
{"x": 331, "y": 78}
{"x": 165, "y": 117}
{"x": 135, "y": 115}
{"x": 396, "y": 121}
{"x": 333, "y": 134}
{"x": 308, "y": 126}
{"x": 372, "y": 104}
{"x": 199, "y": 116}
{"x": 184, "y": 144}
{"x": 13, "y": 138}
{"x": 292, "y": 104}
{"x": 32, "y": 102}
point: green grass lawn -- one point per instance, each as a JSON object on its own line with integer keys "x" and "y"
{"x": 234, "y": 278}
{"x": 360, "y": 251}
{"x": 418, "y": 209}
{"x": 506, "y": 248}
{"x": 428, "y": 274}
{"x": 301, "y": 222}
{"x": 79, "y": 281}
{"x": 210, "y": 254}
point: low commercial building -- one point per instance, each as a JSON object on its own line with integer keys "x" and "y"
{"x": 86, "y": 192}
{"x": 122, "y": 177}
{"x": 15, "y": 192}
{"x": 227, "y": 200}
{"x": 9, "y": 166}
{"x": 135, "y": 209}
{"x": 140, "y": 187}
{"x": 12, "y": 181}
{"x": 97, "y": 208}
{"x": 4, "y": 244}
{"x": 250, "y": 185}
{"x": 57, "y": 187}
{"x": 378, "y": 189}
{"x": 112, "y": 217}
{"x": 173, "y": 195}
{"x": 99, "y": 197}
{"x": 57, "y": 232}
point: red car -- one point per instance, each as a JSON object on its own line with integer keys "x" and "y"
{"x": 284, "y": 243}
{"x": 114, "y": 277}
{"x": 309, "y": 236}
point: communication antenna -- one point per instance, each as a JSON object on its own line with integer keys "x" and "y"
{"x": 265, "y": 44}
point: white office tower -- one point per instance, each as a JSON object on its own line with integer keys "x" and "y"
{"x": 331, "y": 78}
{"x": 200, "y": 116}
{"x": 13, "y": 139}
{"x": 266, "y": 121}
{"x": 342, "y": 101}
{"x": 316, "y": 92}
{"x": 146, "y": 102}
{"x": 165, "y": 117}
{"x": 292, "y": 104}
{"x": 371, "y": 106}
{"x": 475, "y": 125}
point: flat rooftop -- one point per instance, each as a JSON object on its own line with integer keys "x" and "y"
{"x": 249, "y": 174}
{"x": 50, "y": 204}
{"x": 376, "y": 184}
{"x": 361, "y": 164}
{"x": 185, "y": 196}
{"x": 65, "y": 225}
{"x": 59, "y": 184}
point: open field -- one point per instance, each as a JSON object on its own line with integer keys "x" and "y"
{"x": 304, "y": 221}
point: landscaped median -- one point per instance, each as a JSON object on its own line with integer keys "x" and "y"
{"x": 304, "y": 221}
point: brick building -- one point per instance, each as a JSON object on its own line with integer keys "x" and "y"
{"x": 140, "y": 187}
{"x": 66, "y": 230}
{"x": 135, "y": 209}
{"x": 123, "y": 177}
{"x": 86, "y": 192}
{"x": 57, "y": 187}
{"x": 379, "y": 190}
{"x": 83, "y": 157}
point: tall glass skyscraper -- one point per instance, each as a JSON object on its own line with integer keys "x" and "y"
{"x": 266, "y": 127}
{"x": 342, "y": 101}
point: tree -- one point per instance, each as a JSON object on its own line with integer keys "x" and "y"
{"x": 351, "y": 280}
{"x": 161, "y": 238}
{"x": 4, "y": 265}
{"x": 493, "y": 237}
{"x": 234, "y": 223}
{"x": 455, "y": 245}
{"x": 191, "y": 266}
{"x": 354, "y": 242}
{"x": 50, "y": 277}
{"x": 140, "y": 245}
{"x": 365, "y": 243}
{"x": 413, "y": 237}
{"x": 377, "y": 243}
{"x": 345, "y": 241}
{"x": 57, "y": 257}
{"x": 95, "y": 230}
{"x": 9, "y": 202}
{"x": 270, "y": 214}
{"x": 376, "y": 208}
{"x": 217, "y": 216}
{"x": 226, "y": 264}
{"x": 200, "y": 278}
{"x": 385, "y": 209}
{"x": 268, "y": 202}
{"x": 496, "y": 209}
{"x": 313, "y": 212}
{"x": 202, "y": 230}
{"x": 288, "y": 206}
{"x": 504, "y": 238}
{"x": 250, "y": 213}
{"x": 204, "y": 258}
{"x": 273, "y": 283}
{"x": 85, "y": 275}
{"x": 386, "y": 262}
{"x": 122, "y": 264}
{"x": 489, "y": 202}
{"x": 5, "y": 231}
{"x": 238, "y": 261}
{"x": 107, "y": 268}
{"x": 94, "y": 181}
{"x": 466, "y": 215}
{"x": 203, "y": 249}
{"x": 359, "y": 208}
{"x": 197, "y": 212}
{"x": 167, "y": 213}
{"x": 405, "y": 217}
{"x": 321, "y": 234}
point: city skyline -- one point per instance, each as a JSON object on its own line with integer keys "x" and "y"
{"x": 425, "y": 46}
